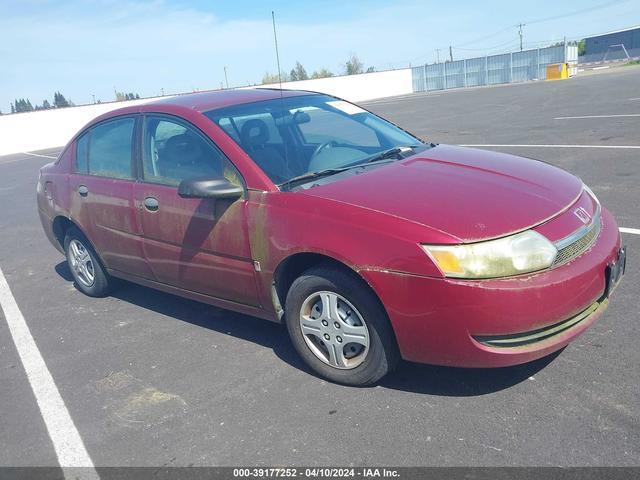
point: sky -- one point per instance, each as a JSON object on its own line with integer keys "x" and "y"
{"x": 88, "y": 49}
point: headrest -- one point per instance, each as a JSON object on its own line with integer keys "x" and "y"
{"x": 254, "y": 132}
{"x": 184, "y": 147}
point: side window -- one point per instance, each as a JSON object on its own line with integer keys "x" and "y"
{"x": 325, "y": 125}
{"x": 82, "y": 150}
{"x": 174, "y": 151}
{"x": 110, "y": 149}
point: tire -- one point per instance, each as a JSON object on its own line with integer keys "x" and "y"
{"x": 86, "y": 268}
{"x": 322, "y": 335}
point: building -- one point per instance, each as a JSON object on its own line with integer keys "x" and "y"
{"x": 608, "y": 46}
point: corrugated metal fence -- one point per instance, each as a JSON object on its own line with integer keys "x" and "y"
{"x": 493, "y": 69}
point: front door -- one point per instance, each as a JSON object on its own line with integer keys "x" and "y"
{"x": 199, "y": 245}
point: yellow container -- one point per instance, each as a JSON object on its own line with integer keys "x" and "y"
{"x": 557, "y": 71}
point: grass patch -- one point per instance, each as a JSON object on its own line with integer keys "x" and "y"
{"x": 633, "y": 62}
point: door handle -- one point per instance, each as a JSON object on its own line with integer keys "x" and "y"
{"x": 83, "y": 190}
{"x": 151, "y": 204}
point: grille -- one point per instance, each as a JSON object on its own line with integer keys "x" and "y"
{"x": 578, "y": 246}
{"x": 540, "y": 334}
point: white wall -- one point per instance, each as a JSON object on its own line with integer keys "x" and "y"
{"x": 26, "y": 132}
{"x": 357, "y": 88}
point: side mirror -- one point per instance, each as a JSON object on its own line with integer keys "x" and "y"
{"x": 207, "y": 187}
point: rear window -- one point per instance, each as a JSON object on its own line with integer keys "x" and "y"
{"x": 325, "y": 125}
{"x": 233, "y": 126}
{"x": 82, "y": 150}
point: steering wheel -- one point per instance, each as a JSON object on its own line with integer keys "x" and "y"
{"x": 322, "y": 146}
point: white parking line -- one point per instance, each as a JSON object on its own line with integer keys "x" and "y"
{"x": 547, "y": 146}
{"x": 39, "y": 155}
{"x": 599, "y": 116}
{"x": 634, "y": 231}
{"x": 390, "y": 100}
{"x": 66, "y": 440}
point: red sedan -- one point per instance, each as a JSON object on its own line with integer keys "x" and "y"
{"x": 370, "y": 244}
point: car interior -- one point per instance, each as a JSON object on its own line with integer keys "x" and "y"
{"x": 175, "y": 153}
{"x": 291, "y": 145}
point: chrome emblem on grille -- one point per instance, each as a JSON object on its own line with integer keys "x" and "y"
{"x": 582, "y": 214}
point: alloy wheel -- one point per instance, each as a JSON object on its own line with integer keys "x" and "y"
{"x": 81, "y": 263}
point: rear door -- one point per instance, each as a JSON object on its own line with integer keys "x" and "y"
{"x": 102, "y": 194}
{"x": 199, "y": 245}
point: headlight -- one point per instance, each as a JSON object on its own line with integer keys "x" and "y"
{"x": 590, "y": 192}
{"x": 520, "y": 253}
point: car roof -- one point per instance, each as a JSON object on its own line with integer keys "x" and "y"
{"x": 199, "y": 102}
{"x": 210, "y": 100}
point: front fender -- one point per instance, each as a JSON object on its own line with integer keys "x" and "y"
{"x": 282, "y": 224}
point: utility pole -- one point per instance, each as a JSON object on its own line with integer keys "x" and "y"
{"x": 226, "y": 80}
{"x": 438, "y": 55}
{"x": 520, "y": 25}
{"x": 450, "y": 53}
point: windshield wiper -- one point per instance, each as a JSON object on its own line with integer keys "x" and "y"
{"x": 389, "y": 153}
{"x": 309, "y": 175}
{"x": 381, "y": 157}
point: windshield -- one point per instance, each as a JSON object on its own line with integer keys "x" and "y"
{"x": 294, "y": 136}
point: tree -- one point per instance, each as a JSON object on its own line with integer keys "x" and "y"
{"x": 353, "y": 66}
{"x": 45, "y": 105}
{"x": 59, "y": 101}
{"x": 322, "y": 73}
{"x": 273, "y": 78}
{"x": 371, "y": 69}
{"x": 269, "y": 78}
{"x": 582, "y": 47}
{"x": 298, "y": 73}
{"x": 21, "y": 105}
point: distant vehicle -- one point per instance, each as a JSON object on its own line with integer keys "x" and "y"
{"x": 370, "y": 244}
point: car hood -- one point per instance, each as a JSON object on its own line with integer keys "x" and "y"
{"x": 467, "y": 193}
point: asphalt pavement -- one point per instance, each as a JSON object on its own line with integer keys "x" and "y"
{"x": 150, "y": 379}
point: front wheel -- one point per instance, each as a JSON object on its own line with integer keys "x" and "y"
{"x": 339, "y": 327}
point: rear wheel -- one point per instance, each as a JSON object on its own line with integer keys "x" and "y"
{"x": 87, "y": 271}
{"x": 339, "y": 327}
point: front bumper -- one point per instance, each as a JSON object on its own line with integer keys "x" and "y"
{"x": 449, "y": 321}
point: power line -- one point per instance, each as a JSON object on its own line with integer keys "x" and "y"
{"x": 522, "y": 24}
{"x": 577, "y": 12}
{"x": 509, "y": 42}
{"x": 491, "y": 35}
